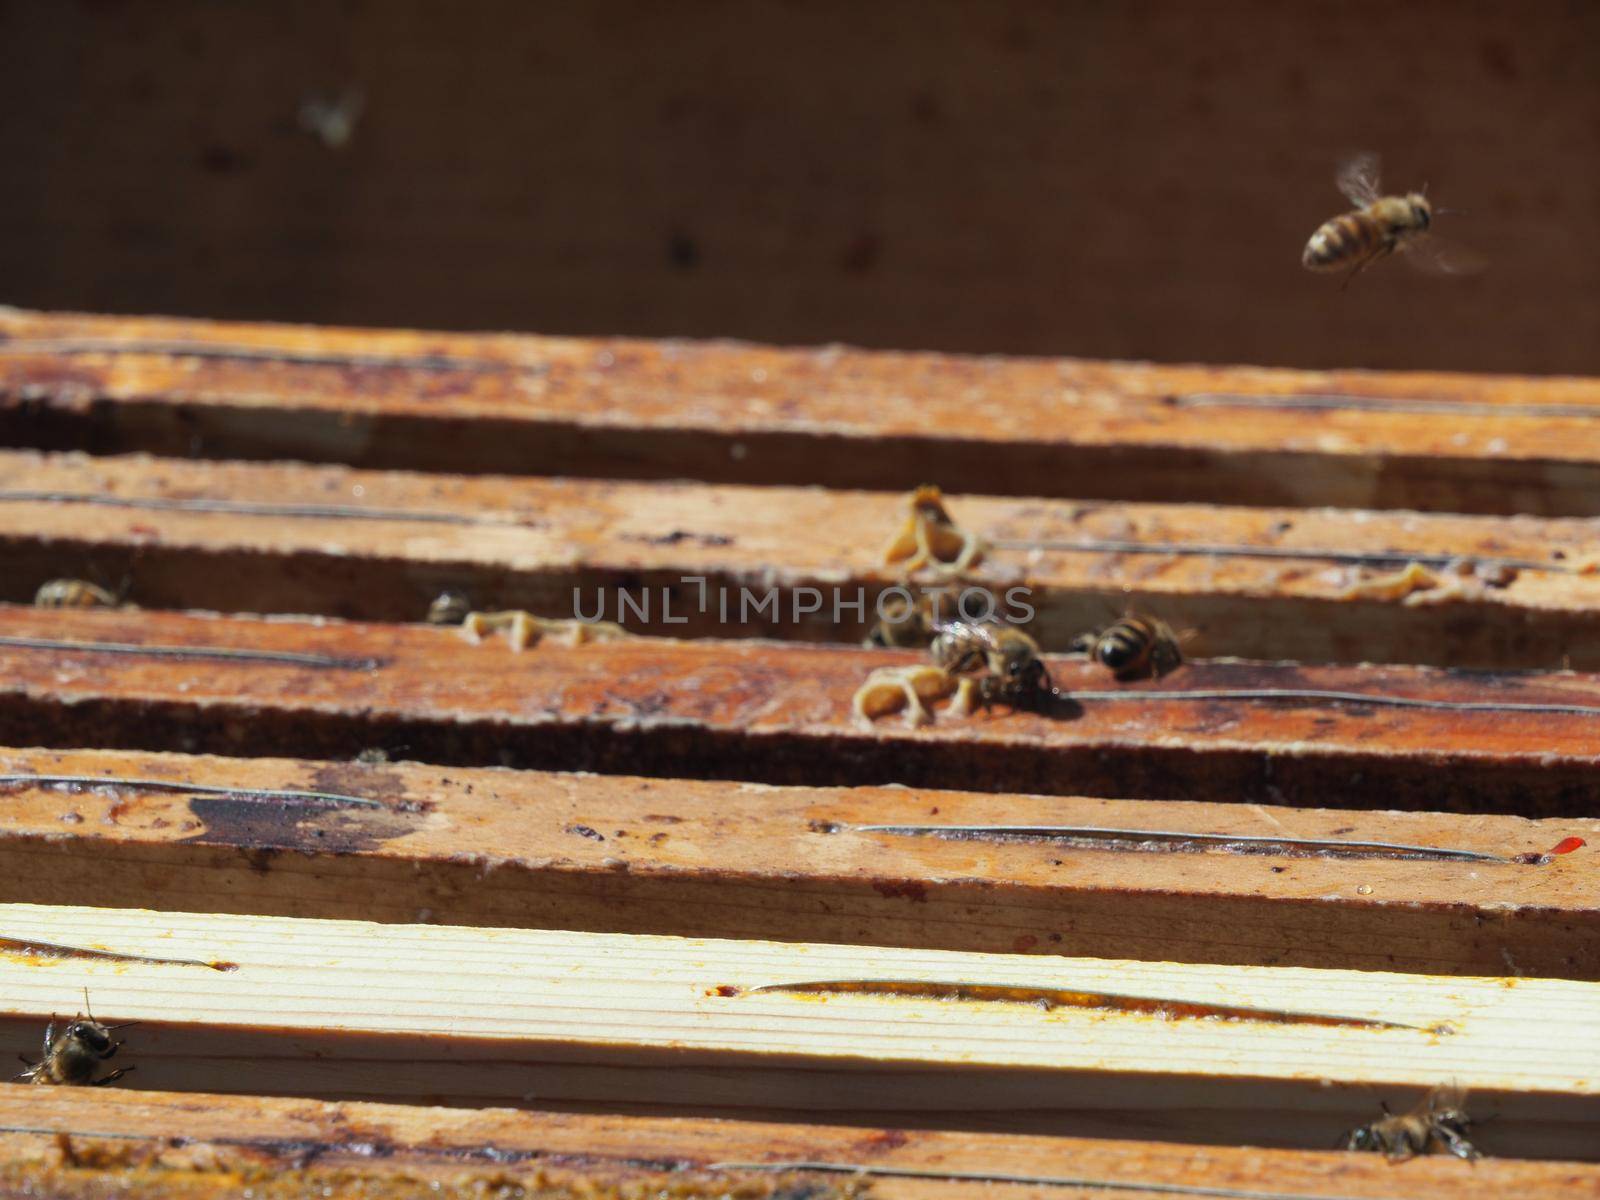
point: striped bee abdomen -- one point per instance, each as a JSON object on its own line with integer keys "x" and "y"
{"x": 1343, "y": 242}
{"x": 1126, "y": 644}
{"x": 1132, "y": 647}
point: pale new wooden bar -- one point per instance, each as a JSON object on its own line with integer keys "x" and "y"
{"x": 837, "y": 417}
{"x": 1273, "y": 1056}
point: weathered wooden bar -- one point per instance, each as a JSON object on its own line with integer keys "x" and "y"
{"x": 737, "y": 413}
{"x": 1272, "y": 1056}
{"x": 798, "y": 563}
{"x": 1325, "y": 737}
{"x": 1183, "y": 882}
{"x": 119, "y": 1134}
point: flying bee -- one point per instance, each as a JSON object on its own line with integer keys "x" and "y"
{"x": 1014, "y": 672}
{"x": 73, "y": 1059}
{"x": 1133, "y": 647}
{"x": 1441, "y": 1118}
{"x": 1380, "y": 225}
{"x": 73, "y": 593}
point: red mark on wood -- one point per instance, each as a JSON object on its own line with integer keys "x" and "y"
{"x": 1564, "y": 846}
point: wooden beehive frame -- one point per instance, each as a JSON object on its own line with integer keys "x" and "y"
{"x": 1235, "y": 906}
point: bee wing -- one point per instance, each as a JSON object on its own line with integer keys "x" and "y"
{"x": 1358, "y": 179}
{"x": 988, "y": 636}
{"x": 1440, "y": 256}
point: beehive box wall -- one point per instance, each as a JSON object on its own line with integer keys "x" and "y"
{"x": 1081, "y": 178}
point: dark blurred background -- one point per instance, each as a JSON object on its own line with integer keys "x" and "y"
{"x": 1118, "y": 179}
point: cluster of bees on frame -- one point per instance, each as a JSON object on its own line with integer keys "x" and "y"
{"x": 976, "y": 663}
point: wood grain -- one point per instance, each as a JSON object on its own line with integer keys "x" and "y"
{"x": 407, "y": 843}
{"x": 442, "y": 1143}
{"x": 702, "y": 560}
{"x": 781, "y": 714}
{"x": 1276, "y": 1056}
{"x": 842, "y": 418}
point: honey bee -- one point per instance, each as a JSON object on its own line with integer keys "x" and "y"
{"x": 1013, "y": 671}
{"x": 73, "y": 593}
{"x": 908, "y": 623}
{"x": 1441, "y": 1118}
{"x": 523, "y": 629}
{"x": 908, "y": 689}
{"x": 1380, "y": 225}
{"x": 449, "y": 608}
{"x": 73, "y": 1059}
{"x": 931, "y": 539}
{"x": 1133, "y": 647}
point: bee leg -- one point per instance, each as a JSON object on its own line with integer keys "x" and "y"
{"x": 1397, "y": 1145}
{"x": 474, "y": 625}
{"x": 916, "y": 712}
{"x": 924, "y": 555}
{"x": 971, "y": 550}
{"x": 1455, "y": 1143}
{"x": 523, "y": 631}
{"x": 111, "y": 1078}
{"x": 1356, "y": 270}
{"x": 903, "y": 548}
{"x": 968, "y": 699}
{"x": 1042, "y": 697}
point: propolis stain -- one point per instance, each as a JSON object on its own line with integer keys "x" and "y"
{"x": 310, "y": 828}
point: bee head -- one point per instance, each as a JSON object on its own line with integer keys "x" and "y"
{"x": 448, "y": 608}
{"x": 1113, "y": 653}
{"x": 1365, "y": 1138}
{"x": 92, "y": 1034}
{"x": 1421, "y": 210}
{"x": 1018, "y": 655}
